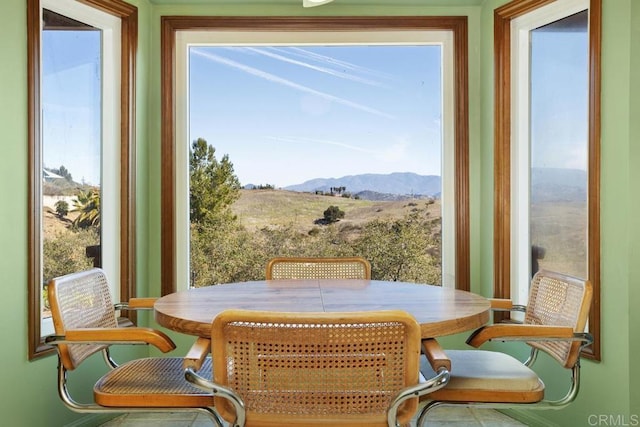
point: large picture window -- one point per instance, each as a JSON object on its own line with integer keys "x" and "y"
{"x": 221, "y": 79}
{"x": 547, "y": 160}
{"x": 79, "y": 135}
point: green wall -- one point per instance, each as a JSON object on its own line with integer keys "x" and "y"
{"x": 634, "y": 211}
{"x": 609, "y": 387}
{"x": 13, "y": 227}
{"x": 22, "y": 381}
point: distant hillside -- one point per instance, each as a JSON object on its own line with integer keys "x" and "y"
{"x": 261, "y": 208}
{"x": 558, "y": 185}
{"x": 402, "y": 183}
{"x": 388, "y": 197}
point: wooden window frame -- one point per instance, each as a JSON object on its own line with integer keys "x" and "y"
{"x": 128, "y": 15}
{"x": 172, "y": 24}
{"x": 502, "y": 154}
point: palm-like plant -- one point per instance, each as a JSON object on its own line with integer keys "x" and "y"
{"x": 88, "y": 204}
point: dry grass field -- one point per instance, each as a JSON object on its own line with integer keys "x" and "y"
{"x": 53, "y": 225}
{"x": 257, "y": 209}
{"x": 560, "y": 228}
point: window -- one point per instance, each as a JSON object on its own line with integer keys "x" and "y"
{"x": 549, "y": 155}
{"x": 78, "y": 135}
{"x": 181, "y": 33}
{"x": 288, "y": 112}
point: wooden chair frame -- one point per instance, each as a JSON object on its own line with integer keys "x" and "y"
{"x": 278, "y": 338}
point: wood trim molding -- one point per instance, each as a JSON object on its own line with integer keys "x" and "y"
{"x": 595, "y": 91}
{"x": 463, "y": 238}
{"x": 129, "y": 27}
{"x": 502, "y": 153}
{"x": 169, "y": 27}
{"x": 36, "y": 345}
{"x": 295, "y": 23}
{"x": 501, "y": 163}
{"x": 128, "y": 160}
{"x": 171, "y": 24}
{"x": 113, "y": 7}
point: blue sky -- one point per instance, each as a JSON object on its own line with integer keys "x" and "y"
{"x": 71, "y": 103}
{"x": 286, "y": 114}
{"x": 559, "y": 90}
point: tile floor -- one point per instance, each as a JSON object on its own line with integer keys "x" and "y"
{"x": 439, "y": 417}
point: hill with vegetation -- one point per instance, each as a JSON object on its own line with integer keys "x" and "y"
{"x": 257, "y": 209}
{"x": 235, "y": 231}
{"x": 401, "y": 239}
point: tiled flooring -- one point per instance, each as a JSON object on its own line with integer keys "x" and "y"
{"x": 438, "y": 417}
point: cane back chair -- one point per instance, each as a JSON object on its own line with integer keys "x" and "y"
{"x": 554, "y": 322}
{"x": 320, "y": 369}
{"x": 85, "y": 323}
{"x": 318, "y": 268}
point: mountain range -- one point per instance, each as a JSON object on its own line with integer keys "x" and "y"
{"x": 558, "y": 185}
{"x": 548, "y": 185}
{"x": 397, "y": 183}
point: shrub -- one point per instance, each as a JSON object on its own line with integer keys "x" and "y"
{"x": 62, "y": 208}
{"x": 64, "y": 253}
{"x": 333, "y": 214}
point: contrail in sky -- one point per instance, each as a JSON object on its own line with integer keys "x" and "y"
{"x": 276, "y": 79}
{"x": 325, "y": 70}
{"x": 322, "y": 141}
{"x": 334, "y": 62}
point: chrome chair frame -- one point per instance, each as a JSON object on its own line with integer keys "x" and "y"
{"x": 568, "y": 398}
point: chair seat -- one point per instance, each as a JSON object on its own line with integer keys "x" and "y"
{"x": 152, "y": 382}
{"x": 486, "y": 376}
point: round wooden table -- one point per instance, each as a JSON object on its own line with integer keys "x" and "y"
{"x": 440, "y": 311}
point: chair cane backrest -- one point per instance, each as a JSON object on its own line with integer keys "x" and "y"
{"x": 80, "y": 300}
{"x": 318, "y": 268}
{"x": 316, "y": 368}
{"x": 559, "y": 300}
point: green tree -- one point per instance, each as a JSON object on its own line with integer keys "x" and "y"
{"x": 405, "y": 249}
{"x": 88, "y": 204}
{"x": 214, "y": 185}
{"x": 333, "y": 214}
{"x": 221, "y": 249}
{"x": 223, "y": 253}
{"x": 64, "y": 172}
{"x": 64, "y": 252}
{"x": 62, "y": 208}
